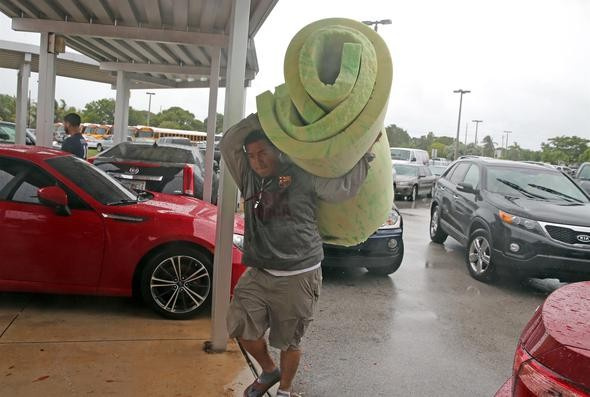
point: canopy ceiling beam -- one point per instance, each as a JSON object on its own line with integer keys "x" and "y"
{"x": 121, "y": 32}
{"x": 164, "y": 68}
{"x": 151, "y": 80}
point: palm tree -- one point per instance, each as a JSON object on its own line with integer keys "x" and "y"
{"x": 488, "y": 146}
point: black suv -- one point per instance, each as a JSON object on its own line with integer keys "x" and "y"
{"x": 524, "y": 219}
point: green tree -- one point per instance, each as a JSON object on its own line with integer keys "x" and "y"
{"x": 7, "y": 108}
{"x": 139, "y": 117}
{"x": 424, "y": 142}
{"x": 567, "y": 149}
{"x": 488, "y": 146}
{"x": 99, "y": 111}
{"x": 514, "y": 152}
{"x": 61, "y": 109}
{"x": 218, "y": 124}
{"x": 585, "y": 157}
{"x": 177, "y": 118}
{"x": 398, "y": 137}
{"x": 441, "y": 149}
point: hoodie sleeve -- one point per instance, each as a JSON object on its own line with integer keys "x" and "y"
{"x": 344, "y": 187}
{"x": 232, "y": 148}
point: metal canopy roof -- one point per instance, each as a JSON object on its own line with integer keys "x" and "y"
{"x": 162, "y": 43}
{"x": 77, "y": 66}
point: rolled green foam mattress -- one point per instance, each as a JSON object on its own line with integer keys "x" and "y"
{"x": 328, "y": 114}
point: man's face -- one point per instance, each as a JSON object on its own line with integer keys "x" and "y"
{"x": 67, "y": 126}
{"x": 263, "y": 158}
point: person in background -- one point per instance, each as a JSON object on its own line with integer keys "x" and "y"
{"x": 75, "y": 142}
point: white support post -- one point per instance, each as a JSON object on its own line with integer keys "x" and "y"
{"x": 46, "y": 94}
{"x": 121, "y": 108}
{"x": 211, "y": 124}
{"x": 22, "y": 100}
{"x": 233, "y": 113}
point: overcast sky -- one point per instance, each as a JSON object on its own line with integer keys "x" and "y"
{"x": 526, "y": 62}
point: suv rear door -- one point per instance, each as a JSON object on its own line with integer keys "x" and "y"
{"x": 466, "y": 203}
{"x": 448, "y": 185}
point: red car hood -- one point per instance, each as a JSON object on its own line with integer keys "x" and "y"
{"x": 559, "y": 334}
{"x": 184, "y": 205}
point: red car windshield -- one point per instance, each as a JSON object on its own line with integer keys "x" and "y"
{"x": 92, "y": 180}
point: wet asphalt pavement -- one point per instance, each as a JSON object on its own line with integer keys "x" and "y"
{"x": 429, "y": 329}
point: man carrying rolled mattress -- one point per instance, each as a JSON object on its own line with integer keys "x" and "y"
{"x": 282, "y": 248}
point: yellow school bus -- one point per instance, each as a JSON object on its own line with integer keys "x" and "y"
{"x": 152, "y": 134}
{"x": 98, "y": 131}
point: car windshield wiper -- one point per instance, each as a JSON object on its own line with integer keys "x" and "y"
{"x": 520, "y": 189}
{"x": 123, "y": 202}
{"x": 555, "y": 192}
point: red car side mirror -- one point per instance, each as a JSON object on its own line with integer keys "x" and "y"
{"x": 54, "y": 196}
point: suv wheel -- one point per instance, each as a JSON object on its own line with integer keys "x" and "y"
{"x": 99, "y": 148}
{"x": 479, "y": 256}
{"x": 437, "y": 235}
{"x": 176, "y": 282}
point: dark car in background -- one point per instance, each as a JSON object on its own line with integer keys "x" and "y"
{"x": 413, "y": 181}
{"x": 381, "y": 254}
{"x": 165, "y": 168}
{"x": 583, "y": 177}
{"x": 553, "y": 353}
{"x": 524, "y": 219}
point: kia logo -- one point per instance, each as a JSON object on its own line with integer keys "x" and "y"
{"x": 583, "y": 238}
{"x": 135, "y": 171}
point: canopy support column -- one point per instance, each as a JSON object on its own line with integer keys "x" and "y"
{"x": 22, "y": 100}
{"x": 121, "y": 108}
{"x": 233, "y": 113}
{"x": 211, "y": 124}
{"x": 46, "y": 93}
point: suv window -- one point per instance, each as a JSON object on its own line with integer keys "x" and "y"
{"x": 472, "y": 176}
{"x": 459, "y": 173}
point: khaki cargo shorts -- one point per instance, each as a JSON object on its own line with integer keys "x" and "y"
{"x": 284, "y": 304}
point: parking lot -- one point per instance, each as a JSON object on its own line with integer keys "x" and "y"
{"x": 429, "y": 329}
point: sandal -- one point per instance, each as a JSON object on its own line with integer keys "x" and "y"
{"x": 258, "y": 388}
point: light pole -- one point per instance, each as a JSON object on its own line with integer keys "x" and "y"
{"x": 149, "y": 106}
{"x": 476, "y": 125}
{"x": 376, "y": 23}
{"x": 459, "y": 120}
{"x": 507, "y": 132}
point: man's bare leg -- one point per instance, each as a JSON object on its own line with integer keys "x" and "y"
{"x": 259, "y": 350}
{"x": 289, "y": 364}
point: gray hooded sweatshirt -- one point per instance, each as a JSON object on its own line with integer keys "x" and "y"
{"x": 281, "y": 230}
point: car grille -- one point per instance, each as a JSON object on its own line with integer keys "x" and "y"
{"x": 567, "y": 235}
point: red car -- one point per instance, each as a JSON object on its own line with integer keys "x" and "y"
{"x": 553, "y": 353}
{"x": 68, "y": 227}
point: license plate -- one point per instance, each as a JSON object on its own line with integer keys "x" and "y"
{"x": 139, "y": 185}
